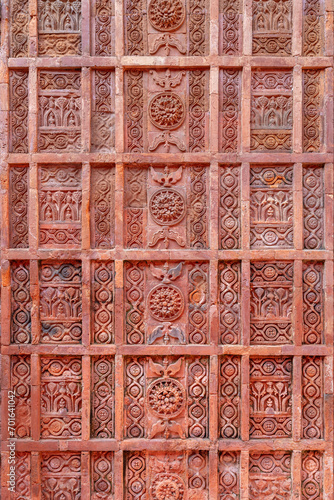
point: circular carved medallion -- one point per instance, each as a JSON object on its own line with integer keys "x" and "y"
{"x": 166, "y": 15}
{"x": 166, "y": 110}
{"x": 167, "y": 487}
{"x": 165, "y": 302}
{"x": 166, "y": 397}
{"x": 167, "y": 207}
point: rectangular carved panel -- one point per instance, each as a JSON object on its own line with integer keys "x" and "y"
{"x": 103, "y": 302}
{"x": 104, "y": 27}
{"x": 18, "y": 187}
{"x": 166, "y": 397}
{"x": 160, "y": 473}
{"x": 20, "y": 303}
{"x": 229, "y": 207}
{"x": 18, "y": 111}
{"x": 60, "y": 203}
{"x": 102, "y": 425}
{"x": 157, "y": 29}
{"x": 102, "y": 475}
{"x": 313, "y": 207}
{"x": 103, "y": 111}
{"x": 272, "y": 27}
{"x": 313, "y": 321}
{"x": 162, "y": 107}
{"x": 229, "y": 475}
{"x": 271, "y": 110}
{"x": 103, "y": 207}
{"x": 270, "y": 397}
{"x": 229, "y": 397}
{"x": 312, "y": 110}
{"x": 21, "y": 386}
{"x": 23, "y": 474}
{"x": 59, "y": 27}
{"x": 271, "y": 207}
{"x": 312, "y": 475}
{"x": 19, "y": 28}
{"x": 176, "y": 298}
{"x": 229, "y": 302}
{"x": 61, "y": 475}
{"x": 313, "y": 36}
{"x": 271, "y": 302}
{"x": 59, "y": 104}
{"x": 270, "y": 475}
{"x": 166, "y": 207}
{"x": 61, "y": 400}
{"x": 312, "y": 397}
{"x": 60, "y": 302}
{"x": 229, "y": 110}
{"x": 230, "y": 24}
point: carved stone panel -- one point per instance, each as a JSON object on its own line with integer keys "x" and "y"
{"x": 166, "y": 397}
{"x": 60, "y": 302}
{"x": 271, "y": 302}
{"x": 272, "y": 27}
{"x": 171, "y": 115}
{"x": 270, "y": 397}
{"x": 20, "y": 303}
{"x": 271, "y": 110}
{"x": 61, "y": 398}
{"x": 60, "y": 475}
{"x": 59, "y": 104}
{"x": 60, "y": 203}
{"x": 270, "y": 475}
{"x": 103, "y": 111}
{"x": 167, "y": 475}
{"x": 229, "y": 475}
{"x": 229, "y": 110}
{"x": 173, "y": 28}
{"x": 19, "y": 184}
{"x": 271, "y": 206}
{"x": 59, "y": 27}
{"x": 176, "y": 297}
{"x": 166, "y": 207}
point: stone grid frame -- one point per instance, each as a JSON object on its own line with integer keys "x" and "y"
{"x": 244, "y": 158}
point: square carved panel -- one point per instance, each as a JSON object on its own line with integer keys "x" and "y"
{"x": 176, "y": 297}
{"x": 166, "y": 397}
{"x": 178, "y": 28}
{"x": 166, "y": 207}
{"x": 171, "y": 473}
{"x": 170, "y": 115}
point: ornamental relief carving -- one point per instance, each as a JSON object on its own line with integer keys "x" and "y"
{"x": 271, "y": 302}
{"x": 59, "y": 104}
{"x": 270, "y": 475}
{"x": 166, "y": 27}
{"x": 162, "y": 107}
{"x": 60, "y": 202}
{"x": 272, "y": 27}
{"x": 270, "y": 397}
{"x": 166, "y": 207}
{"x": 271, "y": 111}
{"x": 167, "y": 476}
{"x": 176, "y": 298}
{"x": 59, "y": 27}
{"x": 166, "y": 397}
{"x": 271, "y": 206}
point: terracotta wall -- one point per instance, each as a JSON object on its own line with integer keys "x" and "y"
{"x": 167, "y": 248}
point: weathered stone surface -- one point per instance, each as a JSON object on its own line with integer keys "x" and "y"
{"x": 167, "y": 248}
